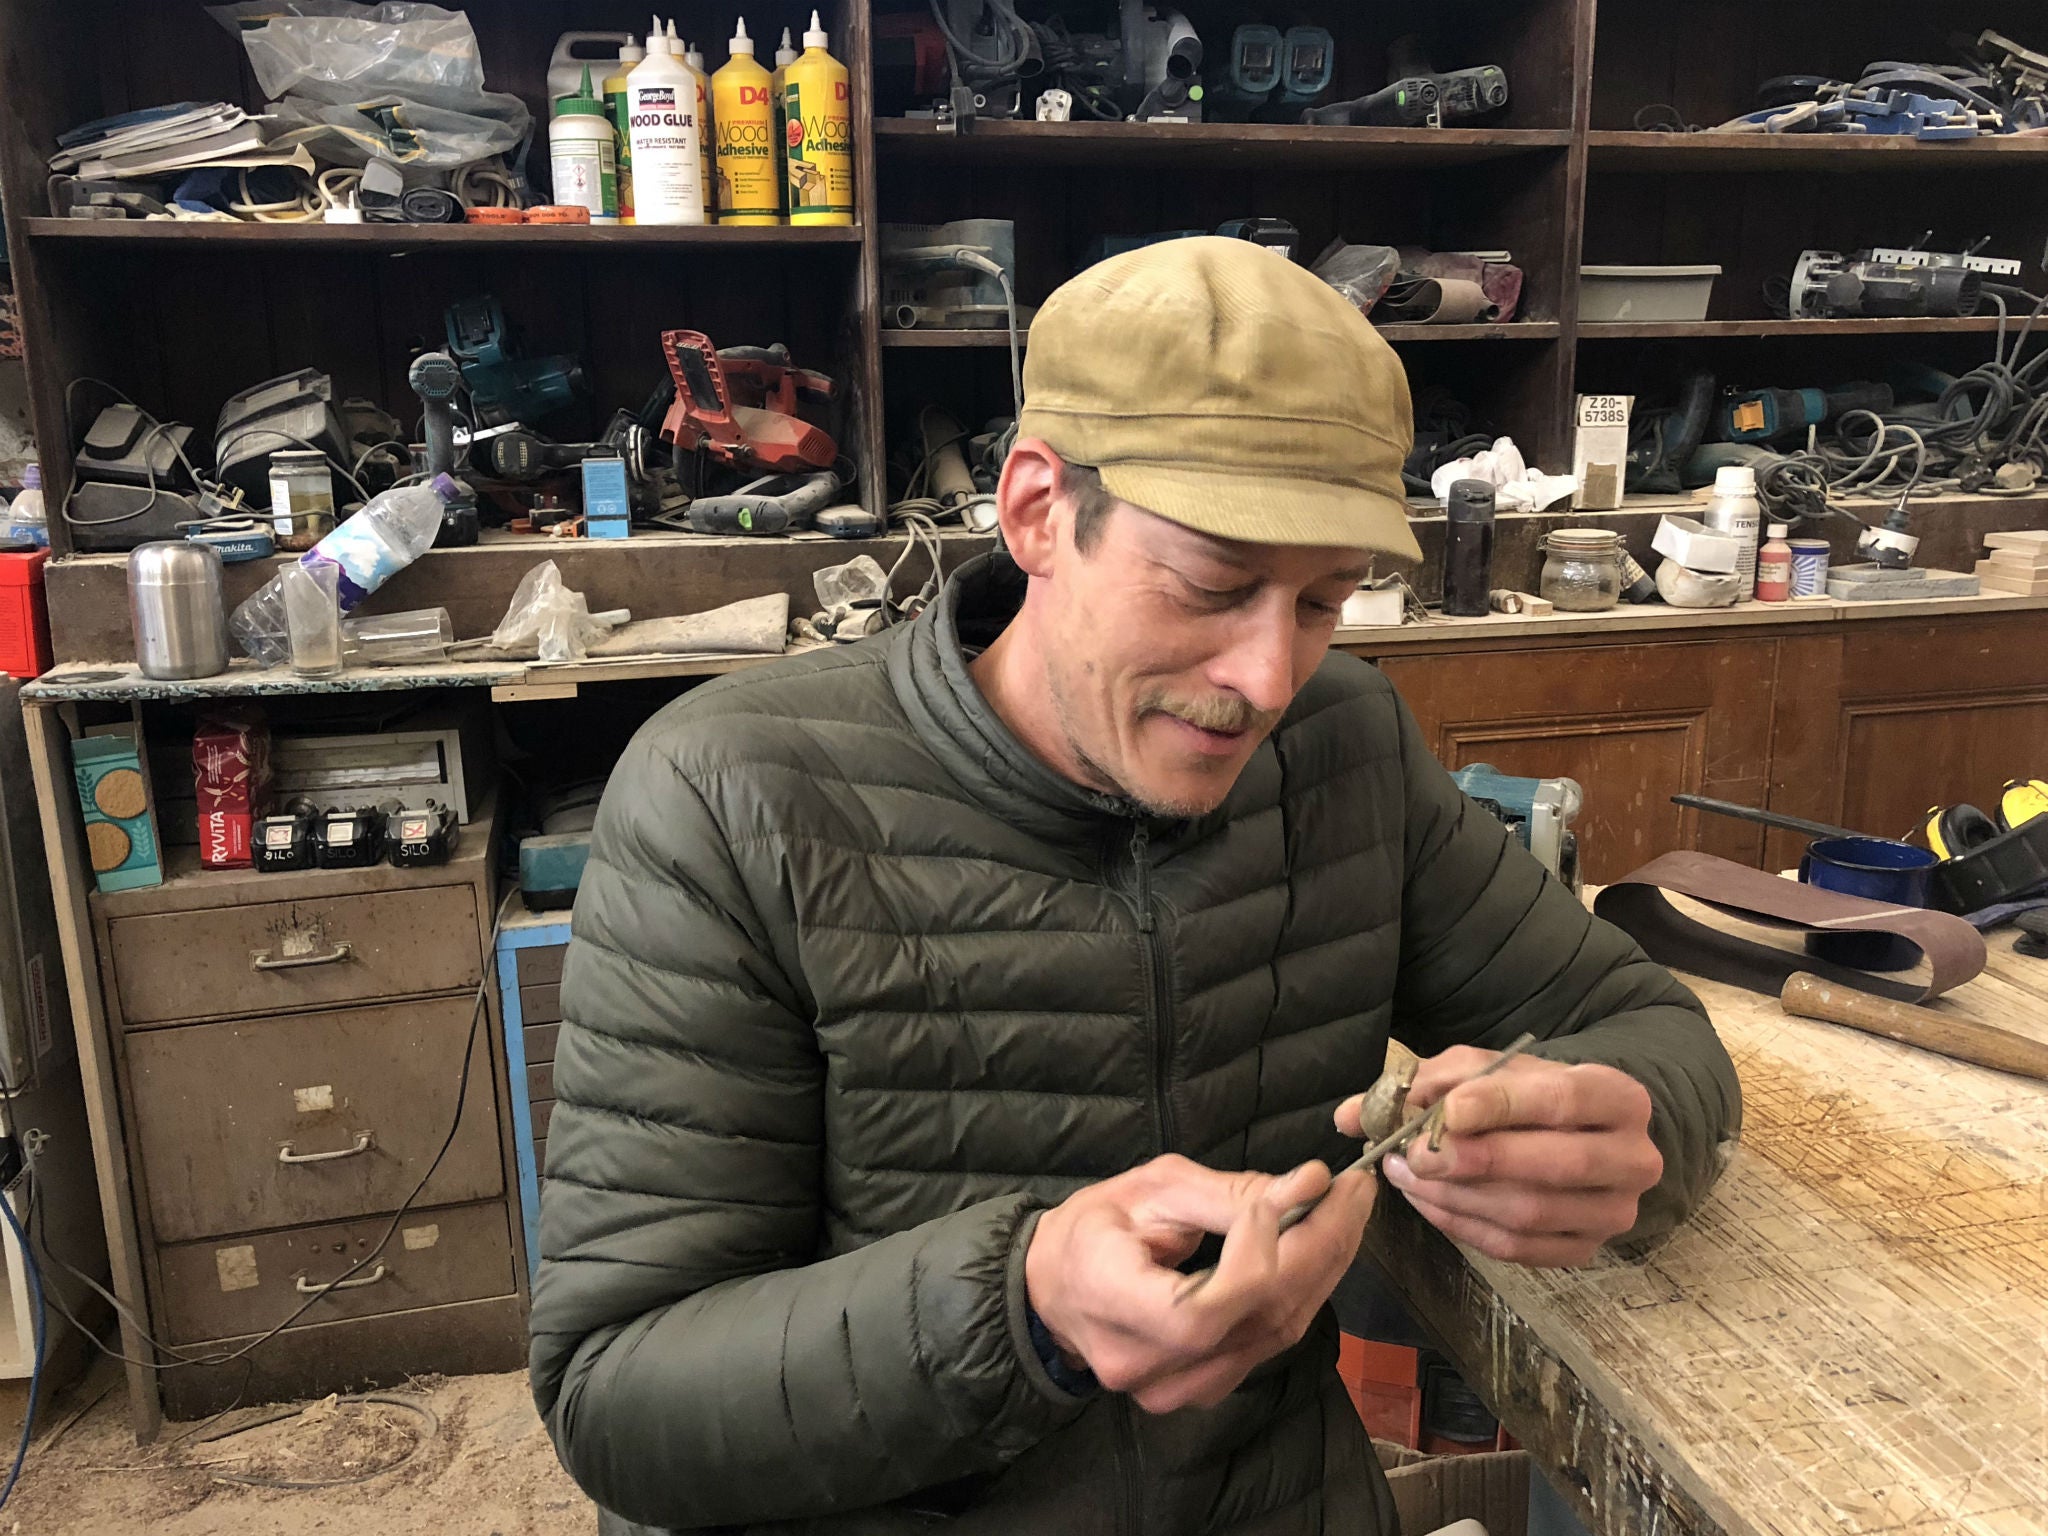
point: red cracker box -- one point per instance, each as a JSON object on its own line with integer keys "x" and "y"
{"x": 231, "y": 774}
{"x": 224, "y": 838}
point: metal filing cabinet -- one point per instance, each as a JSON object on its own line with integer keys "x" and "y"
{"x": 289, "y": 1049}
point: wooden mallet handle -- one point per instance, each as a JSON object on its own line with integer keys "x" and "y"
{"x": 1946, "y": 1035}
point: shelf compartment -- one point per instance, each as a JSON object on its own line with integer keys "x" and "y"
{"x": 992, "y": 142}
{"x": 1612, "y": 151}
{"x": 999, "y": 340}
{"x": 117, "y": 233}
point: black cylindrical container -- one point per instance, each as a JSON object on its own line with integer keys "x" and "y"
{"x": 1468, "y": 549}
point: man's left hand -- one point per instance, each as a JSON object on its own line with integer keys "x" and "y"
{"x": 1539, "y": 1163}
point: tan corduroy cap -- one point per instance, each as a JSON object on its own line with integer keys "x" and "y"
{"x": 1224, "y": 387}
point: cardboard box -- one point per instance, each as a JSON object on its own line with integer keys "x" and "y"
{"x": 226, "y": 838}
{"x": 120, "y": 825}
{"x": 1431, "y": 1492}
{"x": 1600, "y": 450}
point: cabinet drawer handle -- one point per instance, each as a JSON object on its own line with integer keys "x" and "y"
{"x": 364, "y": 1141}
{"x": 264, "y": 960}
{"x": 321, "y": 1288}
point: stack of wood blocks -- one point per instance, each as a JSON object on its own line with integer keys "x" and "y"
{"x": 2017, "y": 563}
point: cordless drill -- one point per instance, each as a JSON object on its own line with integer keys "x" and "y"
{"x": 435, "y": 378}
{"x": 1769, "y": 415}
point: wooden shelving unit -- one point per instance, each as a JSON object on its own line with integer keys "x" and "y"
{"x": 1764, "y": 153}
{"x": 1520, "y": 330}
{"x": 181, "y": 315}
{"x": 444, "y": 237}
{"x": 1565, "y": 175}
{"x": 1206, "y": 144}
{"x": 1703, "y": 330}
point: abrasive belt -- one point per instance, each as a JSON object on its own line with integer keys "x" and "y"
{"x": 1412, "y": 300}
{"x": 1636, "y": 904}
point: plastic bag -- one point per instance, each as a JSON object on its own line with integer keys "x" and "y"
{"x": 401, "y": 81}
{"x": 1360, "y": 272}
{"x": 546, "y": 613}
{"x": 861, "y": 579}
{"x": 1518, "y": 487}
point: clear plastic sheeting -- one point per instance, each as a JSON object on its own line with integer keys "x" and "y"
{"x": 398, "y": 81}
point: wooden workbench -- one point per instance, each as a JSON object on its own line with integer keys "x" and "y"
{"x": 1850, "y": 1336}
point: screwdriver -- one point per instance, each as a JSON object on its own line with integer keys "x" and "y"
{"x": 1429, "y": 1119}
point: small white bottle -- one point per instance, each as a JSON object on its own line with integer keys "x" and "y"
{"x": 707, "y": 127}
{"x": 668, "y": 149}
{"x": 1734, "y": 511}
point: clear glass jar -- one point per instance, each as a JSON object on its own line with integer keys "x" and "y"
{"x": 301, "y": 498}
{"x": 1581, "y": 569}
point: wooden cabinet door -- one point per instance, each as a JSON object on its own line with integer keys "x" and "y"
{"x": 1877, "y": 724}
{"x": 1634, "y": 724}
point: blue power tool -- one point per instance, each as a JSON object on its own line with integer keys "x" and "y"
{"x": 503, "y": 386}
{"x": 1539, "y": 812}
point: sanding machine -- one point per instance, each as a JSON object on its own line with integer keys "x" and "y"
{"x": 1540, "y": 813}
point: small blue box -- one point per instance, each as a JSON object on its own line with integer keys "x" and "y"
{"x": 606, "y": 512}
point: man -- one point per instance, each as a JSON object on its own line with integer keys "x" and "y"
{"x": 932, "y": 1001}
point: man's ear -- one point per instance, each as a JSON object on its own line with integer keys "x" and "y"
{"x": 1029, "y": 505}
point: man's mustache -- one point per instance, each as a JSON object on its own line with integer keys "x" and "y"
{"x": 1228, "y": 713}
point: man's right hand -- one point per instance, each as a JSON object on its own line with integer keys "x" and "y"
{"x": 1102, "y": 1278}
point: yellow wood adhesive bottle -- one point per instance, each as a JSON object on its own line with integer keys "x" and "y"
{"x": 816, "y": 96}
{"x": 693, "y": 59}
{"x": 745, "y": 117}
{"x": 630, "y": 54}
{"x": 785, "y": 55}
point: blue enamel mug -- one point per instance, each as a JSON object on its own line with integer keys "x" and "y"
{"x": 1876, "y": 869}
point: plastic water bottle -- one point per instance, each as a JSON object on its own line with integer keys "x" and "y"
{"x": 390, "y": 533}
{"x": 26, "y": 519}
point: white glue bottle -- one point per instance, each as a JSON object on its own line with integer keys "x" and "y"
{"x": 707, "y": 126}
{"x": 668, "y": 148}
{"x": 1735, "y": 512}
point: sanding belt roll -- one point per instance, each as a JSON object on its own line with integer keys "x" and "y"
{"x": 1412, "y": 300}
{"x": 1636, "y": 904}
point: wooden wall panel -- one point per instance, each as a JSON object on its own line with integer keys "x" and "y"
{"x": 1633, "y": 724}
{"x": 1871, "y": 727}
{"x": 1899, "y": 759}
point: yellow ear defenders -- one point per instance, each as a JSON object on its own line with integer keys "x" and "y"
{"x": 1957, "y": 830}
{"x": 2022, "y": 802}
{"x": 1985, "y": 862}
{"x": 1961, "y": 828}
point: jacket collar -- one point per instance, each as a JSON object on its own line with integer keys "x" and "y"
{"x": 928, "y": 664}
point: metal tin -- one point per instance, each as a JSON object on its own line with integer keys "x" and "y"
{"x": 1809, "y": 567}
{"x": 175, "y": 606}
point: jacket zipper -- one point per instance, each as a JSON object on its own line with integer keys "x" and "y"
{"x": 1158, "y": 1004}
{"x": 1133, "y": 1521}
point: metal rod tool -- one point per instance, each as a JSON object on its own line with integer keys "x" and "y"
{"x": 1430, "y": 1120}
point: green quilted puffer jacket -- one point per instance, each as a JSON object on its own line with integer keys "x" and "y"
{"x": 858, "y": 987}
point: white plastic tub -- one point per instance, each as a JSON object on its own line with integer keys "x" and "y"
{"x": 1645, "y": 293}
